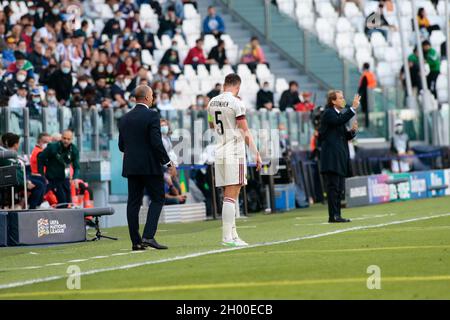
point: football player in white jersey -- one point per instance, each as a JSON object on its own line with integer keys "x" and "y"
{"x": 226, "y": 114}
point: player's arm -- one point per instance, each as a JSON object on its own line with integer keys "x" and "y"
{"x": 210, "y": 121}
{"x": 242, "y": 125}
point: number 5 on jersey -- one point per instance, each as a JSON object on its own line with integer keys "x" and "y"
{"x": 219, "y": 122}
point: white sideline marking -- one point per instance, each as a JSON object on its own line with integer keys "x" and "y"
{"x": 99, "y": 257}
{"x": 200, "y": 254}
{"x": 353, "y": 219}
{"x": 77, "y": 260}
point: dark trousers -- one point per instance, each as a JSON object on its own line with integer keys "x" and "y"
{"x": 335, "y": 185}
{"x": 431, "y": 82}
{"x": 61, "y": 188}
{"x": 37, "y": 193}
{"x": 155, "y": 188}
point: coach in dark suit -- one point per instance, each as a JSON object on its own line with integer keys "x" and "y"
{"x": 334, "y": 154}
{"x": 144, "y": 158}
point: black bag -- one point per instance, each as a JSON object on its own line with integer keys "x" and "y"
{"x": 8, "y": 176}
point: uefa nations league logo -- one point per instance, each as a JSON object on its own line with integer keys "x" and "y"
{"x": 43, "y": 227}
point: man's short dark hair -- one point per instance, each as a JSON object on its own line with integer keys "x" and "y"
{"x": 9, "y": 139}
{"x": 426, "y": 43}
{"x": 254, "y": 38}
{"x": 366, "y": 66}
{"x": 292, "y": 83}
{"x": 42, "y": 135}
{"x": 232, "y": 80}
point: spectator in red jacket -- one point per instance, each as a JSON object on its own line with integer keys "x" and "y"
{"x": 196, "y": 55}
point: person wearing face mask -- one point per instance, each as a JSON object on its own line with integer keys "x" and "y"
{"x": 285, "y": 143}
{"x": 165, "y": 130}
{"x": 143, "y": 160}
{"x": 400, "y": 147}
{"x": 34, "y": 105}
{"x": 61, "y": 81}
{"x": 264, "y": 97}
{"x": 42, "y": 141}
{"x": 52, "y": 102}
{"x": 14, "y": 83}
{"x": 82, "y": 84}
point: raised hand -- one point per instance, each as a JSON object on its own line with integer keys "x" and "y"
{"x": 356, "y": 101}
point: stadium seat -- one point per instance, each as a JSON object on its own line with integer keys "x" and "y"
{"x": 437, "y": 37}
{"x": 385, "y": 74}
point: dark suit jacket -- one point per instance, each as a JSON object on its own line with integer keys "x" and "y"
{"x": 140, "y": 141}
{"x": 333, "y": 139}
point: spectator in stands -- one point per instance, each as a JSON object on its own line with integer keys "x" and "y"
{"x": 171, "y": 56}
{"x": 368, "y": 81}
{"x": 215, "y": 91}
{"x": 305, "y": 105}
{"x": 127, "y": 7}
{"x": 168, "y": 23}
{"x": 42, "y": 141}
{"x": 164, "y": 103}
{"x": 21, "y": 63}
{"x": 37, "y": 57}
{"x": 200, "y": 103}
{"x": 142, "y": 75}
{"x": 290, "y": 97}
{"x": 8, "y": 53}
{"x": 167, "y": 142}
{"x": 196, "y": 56}
{"x": 253, "y": 54}
{"x": 112, "y": 26}
{"x": 146, "y": 39}
{"x": 414, "y": 70}
{"x": 36, "y": 189}
{"x": 55, "y": 161}
{"x": 376, "y": 22}
{"x": 16, "y": 81}
{"x": 264, "y": 97}
{"x": 424, "y": 23}
{"x": 217, "y": 55}
{"x": 400, "y": 147}
{"x": 285, "y": 143}
{"x": 434, "y": 62}
{"x": 118, "y": 90}
{"x": 177, "y": 7}
{"x": 128, "y": 68}
{"x": 34, "y": 105}
{"x": 52, "y": 101}
{"x": 61, "y": 81}
{"x": 213, "y": 23}
{"x": 172, "y": 187}
{"x": 19, "y": 99}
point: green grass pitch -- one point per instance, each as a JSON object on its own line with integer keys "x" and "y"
{"x": 296, "y": 255}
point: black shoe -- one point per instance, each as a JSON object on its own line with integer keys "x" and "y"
{"x": 152, "y": 243}
{"x": 338, "y": 220}
{"x": 138, "y": 247}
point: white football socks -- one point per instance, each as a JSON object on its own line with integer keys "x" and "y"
{"x": 228, "y": 219}
{"x": 234, "y": 230}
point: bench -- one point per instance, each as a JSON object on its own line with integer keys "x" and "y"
{"x": 396, "y": 182}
